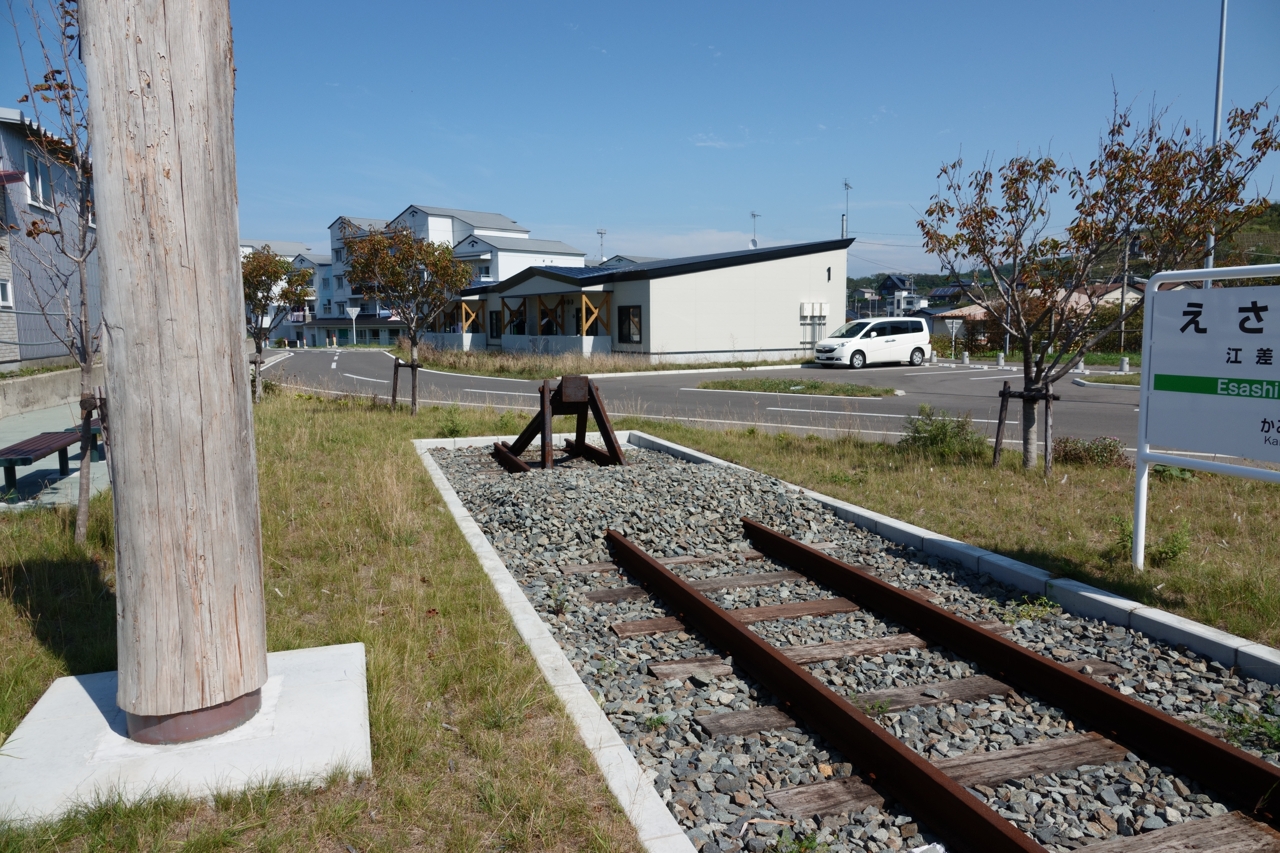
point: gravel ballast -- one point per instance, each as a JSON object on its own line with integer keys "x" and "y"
{"x": 543, "y": 522}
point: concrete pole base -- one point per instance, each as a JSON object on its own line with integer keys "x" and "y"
{"x": 194, "y": 725}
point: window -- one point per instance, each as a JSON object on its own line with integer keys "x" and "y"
{"x": 342, "y": 309}
{"x": 337, "y": 255}
{"x": 39, "y": 182}
{"x": 915, "y": 327}
{"x": 482, "y": 270}
{"x": 495, "y": 324}
{"x": 361, "y": 337}
{"x": 328, "y": 307}
{"x": 324, "y": 282}
{"x": 6, "y": 294}
{"x": 393, "y": 335}
{"x": 339, "y": 281}
{"x": 629, "y": 324}
{"x": 375, "y": 336}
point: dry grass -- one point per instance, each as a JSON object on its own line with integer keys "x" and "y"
{"x": 1116, "y": 379}
{"x": 360, "y": 547}
{"x": 1069, "y": 525}
{"x": 516, "y": 365}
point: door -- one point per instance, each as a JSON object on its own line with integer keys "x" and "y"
{"x": 877, "y": 343}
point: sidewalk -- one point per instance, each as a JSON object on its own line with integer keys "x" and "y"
{"x": 40, "y": 484}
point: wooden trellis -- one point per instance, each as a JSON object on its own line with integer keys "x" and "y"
{"x": 591, "y": 312}
{"x": 575, "y": 395}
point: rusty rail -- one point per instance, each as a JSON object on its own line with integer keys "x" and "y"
{"x": 954, "y": 814}
{"x": 1232, "y": 772}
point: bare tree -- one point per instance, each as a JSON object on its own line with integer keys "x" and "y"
{"x": 1173, "y": 187}
{"x": 272, "y": 287}
{"x": 63, "y": 238}
{"x": 416, "y": 279}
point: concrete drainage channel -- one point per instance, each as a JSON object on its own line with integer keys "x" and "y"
{"x": 683, "y": 784}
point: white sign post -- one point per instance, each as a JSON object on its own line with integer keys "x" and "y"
{"x": 953, "y": 326}
{"x": 1210, "y": 379}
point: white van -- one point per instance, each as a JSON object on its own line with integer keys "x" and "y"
{"x": 863, "y": 342}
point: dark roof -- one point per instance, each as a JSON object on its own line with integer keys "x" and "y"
{"x": 362, "y": 223}
{"x": 589, "y": 276}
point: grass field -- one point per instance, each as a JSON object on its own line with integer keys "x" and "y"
{"x": 796, "y": 386}
{"x": 515, "y": 365}
{"x": 359, "y": 550}
{"x": 365, "y": 551}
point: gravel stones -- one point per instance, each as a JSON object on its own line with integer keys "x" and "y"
{"x": 542, "y": 522}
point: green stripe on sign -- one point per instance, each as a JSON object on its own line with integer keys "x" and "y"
{"x": 1218, "y": 387}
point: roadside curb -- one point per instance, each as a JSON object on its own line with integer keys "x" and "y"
{"x": 1251, "y": 659}
{"x": 657, "y": 829}
{"x": 1086, "y": 384}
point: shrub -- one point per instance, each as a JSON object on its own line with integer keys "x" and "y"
{"x": 943, "y": 437}
{"x": 1171, "y": 547}
{"x": 942, "y": 345}
{"x": 1103, "y": 452}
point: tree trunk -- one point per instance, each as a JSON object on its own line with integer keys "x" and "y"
{"x": 87, "y": 404}
{"x": 257, "y": 370}
{"x": 1029, "y": 438}
{"x": 190, "y": 610}
{"x": 1048, "y": 429}
{"x": 413, "y": 383}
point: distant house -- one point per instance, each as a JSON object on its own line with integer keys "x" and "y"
{"x": 627, "y": 260}
{"x": 769, "y": 303}
{"x": 967, "y": 315}
{"x": 894, "y": 283}
{"x": 495, "y": 246}
{"x": 321, "y": 286}
{"x": 33, "y": 187}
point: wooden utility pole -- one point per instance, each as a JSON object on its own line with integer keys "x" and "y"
{"x": 190, "y": 611}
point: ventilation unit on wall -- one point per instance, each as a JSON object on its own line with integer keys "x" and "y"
{"x": 813, "y": 323}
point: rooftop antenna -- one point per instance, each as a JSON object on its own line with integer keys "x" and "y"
{"x": 754, "y": 217}
{"x": 844, "y": 223}
{"x": 601, "y": 232}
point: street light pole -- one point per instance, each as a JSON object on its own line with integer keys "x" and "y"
{"x": 1217, "y": 118}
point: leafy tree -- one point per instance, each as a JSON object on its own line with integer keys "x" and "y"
{"x": 272, "y": 286}
{"x": 416, "y": 279}
{"x": 62, "y": 239}
{"x": 1173, "y": 187}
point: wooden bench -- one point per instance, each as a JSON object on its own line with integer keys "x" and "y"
{"x": 27, "y": 452}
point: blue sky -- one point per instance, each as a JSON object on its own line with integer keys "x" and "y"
{"x": 667, "y": 124}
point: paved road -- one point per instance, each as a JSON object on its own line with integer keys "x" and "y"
{"x": 1083, "y": 411}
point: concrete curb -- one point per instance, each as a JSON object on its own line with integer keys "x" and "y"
{"x": 1251, "y": 659}
{"x": 1086, "y": 384}
{"x": 633, "y": 787}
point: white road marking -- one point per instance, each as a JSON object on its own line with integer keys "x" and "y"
{"x": 781, "y": 394}
{"x": 874, "y": 415}
{"x": 503, "y": 393}
{"x": 366, "y": 378}
{"x": 276, "y": 360}
{"x": 472, "y": 376}
{"x": 997, "y": 376}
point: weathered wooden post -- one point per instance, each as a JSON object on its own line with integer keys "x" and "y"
{"x": 190, "y": 612}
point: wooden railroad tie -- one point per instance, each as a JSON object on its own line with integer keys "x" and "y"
{"x": 575, "y": 395}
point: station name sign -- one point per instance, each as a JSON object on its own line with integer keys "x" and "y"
{"x": 1214, "y": 369}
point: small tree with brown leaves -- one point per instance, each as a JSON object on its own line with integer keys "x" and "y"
{"x": 273, "y": 287}
{"x": 63, "y": 238}
{"x": 1173, "y": 187}
{"x": 415, "y": 279}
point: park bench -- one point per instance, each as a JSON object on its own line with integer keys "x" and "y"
{"x": 30, "y": 450}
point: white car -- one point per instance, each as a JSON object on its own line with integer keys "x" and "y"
{"x": 863, "y": 342}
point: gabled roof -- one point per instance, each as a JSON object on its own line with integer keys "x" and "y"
{"x": 591, "y": 276}
{"x": 362, "y": 223}
{"x": 520, "y": 244}
{"x": 315, "y": 258}
{"x": 474, "y": 218}
{"x": 283, "y": 248}
{"x": 631, "y": 259}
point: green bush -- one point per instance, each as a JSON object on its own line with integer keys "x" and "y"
{"x": 937, "y": 434}
{"x": 942, "y": 346}
{"x": 1102, "y": 452}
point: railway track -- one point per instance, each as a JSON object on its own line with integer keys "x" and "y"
{"x": 944, "y": 795}
{"x": 738, "y": 760}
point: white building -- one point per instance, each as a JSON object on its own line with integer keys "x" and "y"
{"x": 770, "y": 303}
{"x": 291, "y": 327}
{"x": 496, "y": 247}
